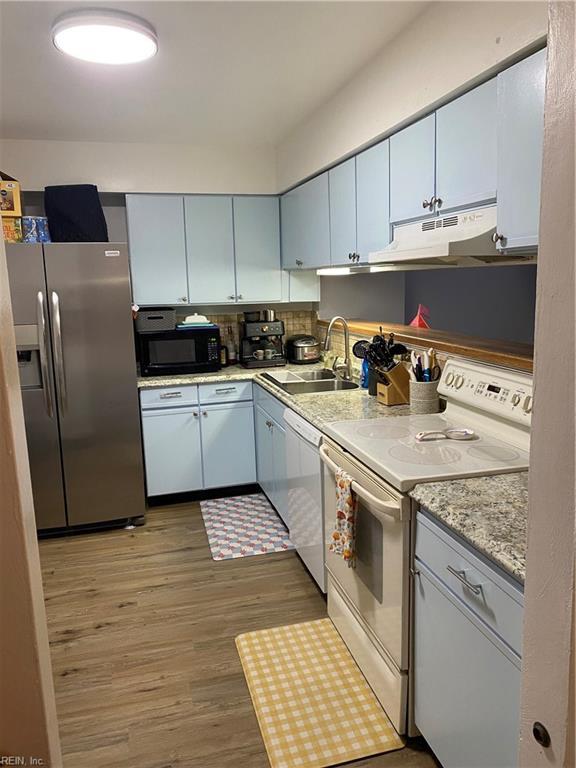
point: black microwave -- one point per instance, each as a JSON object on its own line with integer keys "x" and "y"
{"x": 179, "y": 351}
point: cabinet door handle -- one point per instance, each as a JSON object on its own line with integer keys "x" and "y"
{"x": 224, "y": 390}
{"x": 195, "y": 414}
{"x": 239, "y": 297}
{"x": 170, "y": 395}
{"x": 183, "y": 298}
{"x": 461, "y": 576}
{"x": 438, "y": 201}
{"x": 231, "y": 298}
{"x": 426, "y": 203}
{"x": 498, "y": 238}
{"x": 204, "y": 413}
{"x": 299, "y": 263}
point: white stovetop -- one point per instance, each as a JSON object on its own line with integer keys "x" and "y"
{"x": 389, "y": 448}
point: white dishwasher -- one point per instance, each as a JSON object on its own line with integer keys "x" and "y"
{"x": 304, "y": 485}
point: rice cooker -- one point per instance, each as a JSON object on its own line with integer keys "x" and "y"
{"x": 303, "y": 349}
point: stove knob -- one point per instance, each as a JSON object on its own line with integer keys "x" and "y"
{"x": 527, "y": 406}
{"x": 459, "y": 381}
{"x": 516, "y": 398}
{"x": 449, "y": 378}
{"x": 265, "y": 329}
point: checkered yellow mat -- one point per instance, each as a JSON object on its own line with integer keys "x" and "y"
{"x": 313, "y": 705}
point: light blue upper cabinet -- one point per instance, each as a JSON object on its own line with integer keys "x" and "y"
{"x": 305, "y": 225}
{"x": 290, "y": 229}
{"x": 157, "y": 249}
{"x": 342, "y": 189}
{"x": 412, "y": 170}
{"x": 520, "y": 142}
{"x": 466, "y": 160}
{"x": 257, "y": 248}
{"x": 210, "y": 249}
{"x": 373, "y": 199}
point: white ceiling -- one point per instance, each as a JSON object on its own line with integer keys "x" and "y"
{"x": 226, "y": 72}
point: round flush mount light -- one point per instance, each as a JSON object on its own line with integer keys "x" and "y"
{"x": 104, "y": 36}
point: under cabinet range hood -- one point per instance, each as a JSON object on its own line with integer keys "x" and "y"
{"x": 459, "y": 239}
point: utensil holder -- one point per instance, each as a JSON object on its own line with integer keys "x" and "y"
{"x": 424, "y": 397}
{"x": 393, "y": 387}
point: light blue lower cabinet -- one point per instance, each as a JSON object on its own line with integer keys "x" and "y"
{"x": 172, "y": 450}
{"x": 228, "y": 444}
{"x": 199, "y": 447}
{"x": 280, "y": 492}
{"x": 264, "y": 451}
{"x": 271, "y": 460}
{"x": 466, "y": 678}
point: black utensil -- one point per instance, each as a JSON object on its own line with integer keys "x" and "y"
{"x": 397, "y": 349}
{"x": 359, "y": 348}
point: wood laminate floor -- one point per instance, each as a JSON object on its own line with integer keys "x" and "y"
{"x": 142, "y": 626}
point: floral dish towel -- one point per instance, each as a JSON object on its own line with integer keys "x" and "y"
{"x": 344, "y": 534}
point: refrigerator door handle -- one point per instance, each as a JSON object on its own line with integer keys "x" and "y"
{"x": 58, "y": 353}
{"x": 43, "y": 349}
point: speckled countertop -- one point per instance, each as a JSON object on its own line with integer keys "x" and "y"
{"x": 318, "y": 408}
{"x": 489, "y": 512}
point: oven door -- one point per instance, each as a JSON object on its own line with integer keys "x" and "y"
{"x": 377, "y": 589}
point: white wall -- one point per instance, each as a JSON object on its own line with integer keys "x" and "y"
{"x": 140, "y": 167}
{"x": 449, "y": 45}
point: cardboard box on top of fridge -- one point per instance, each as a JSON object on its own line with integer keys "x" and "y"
{"x": 9, "y": 196}
{"x": 12, "y": 229}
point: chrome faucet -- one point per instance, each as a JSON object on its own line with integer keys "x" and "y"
{"x": 343, "y": 370}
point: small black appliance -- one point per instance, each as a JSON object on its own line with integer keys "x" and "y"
{"x": 261, "y": 344}
{"x": 179, "y": 351}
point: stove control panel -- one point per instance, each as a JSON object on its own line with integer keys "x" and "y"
{"x": 494, "y": 390}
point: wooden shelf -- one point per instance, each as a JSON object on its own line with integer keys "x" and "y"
{"x": 493, "y": 351}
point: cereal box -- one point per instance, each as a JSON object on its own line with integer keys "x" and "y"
{"x": 9, "y": 196}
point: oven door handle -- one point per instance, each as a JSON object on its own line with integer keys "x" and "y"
{"x": 390, "y": 510}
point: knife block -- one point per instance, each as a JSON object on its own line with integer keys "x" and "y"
{"x": 394, "y": 386}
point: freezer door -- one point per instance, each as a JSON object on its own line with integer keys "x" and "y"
{"x": 95, "y": 370}
{"x": 28, "y": 294}
{"x": 45, "y": 464}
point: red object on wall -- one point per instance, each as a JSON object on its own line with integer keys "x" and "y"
{"x": 420, "y": 319}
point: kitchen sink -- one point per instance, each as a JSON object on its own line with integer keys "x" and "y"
{"x": 320, "y": 375}
{"x": 331, "y": 384}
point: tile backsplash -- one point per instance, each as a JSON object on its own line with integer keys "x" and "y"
{"x": 298, "y": 321}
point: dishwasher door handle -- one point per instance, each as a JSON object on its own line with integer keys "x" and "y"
{"x": 377, "y": 505}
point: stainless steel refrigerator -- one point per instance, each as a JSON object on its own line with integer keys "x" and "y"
{"x": 74, "y": 336}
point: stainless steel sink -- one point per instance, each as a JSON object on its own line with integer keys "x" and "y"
{"x": 309, "y": 387}
{"x": 321, "y": 375}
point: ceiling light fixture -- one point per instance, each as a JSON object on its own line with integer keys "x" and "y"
{"x": 104, "y": 36}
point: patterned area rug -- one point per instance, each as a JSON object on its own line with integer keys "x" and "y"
{"x": 241, "y": 526}
{"x": 313, "y": 705}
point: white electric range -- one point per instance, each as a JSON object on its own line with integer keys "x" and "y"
{"x": 496, "y": 404}
{"x": 369, "y": 604}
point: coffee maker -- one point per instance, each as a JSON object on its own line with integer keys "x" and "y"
{"x": 261, "y": 344}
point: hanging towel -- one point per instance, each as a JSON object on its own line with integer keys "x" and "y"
{"x": 344, "y": 534}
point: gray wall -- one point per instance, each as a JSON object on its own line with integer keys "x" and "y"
{"x": 495, "y": 302}
{"x": 376, "y": 297}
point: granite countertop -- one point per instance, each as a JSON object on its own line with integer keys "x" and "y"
{"x": 489, "y": 512}
{"x": 318, "y": 408}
